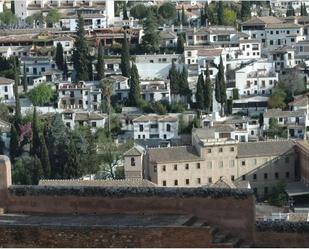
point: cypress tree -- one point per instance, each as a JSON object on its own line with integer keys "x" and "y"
{"x": 199, "y": 96}
{"x": 178, "y": 17}
{"x": 81, "y": 52}
{"x": 2, "y": 146}
{"x": 220, "y": 13}
{"x": 151, "y": 38}
{"x": 180, "y": 44}
{"x": 135, "y": 90}
{"x": 37, "y": 170}
{"x": 183, "y": 17}
{"x": 36, "y": 142}
{"x": 125, "y": 57}
{"x": 72, "y": 168}
{"x": 174, "y": 79}
{"x": 124, "y": 10}
{"x": 208, "y": 91}
{"x": 44, "y": 157}
{"x": 15, "y": 89}
{"x": 290, "y": 10}
{"x": 90, "y": 69}
{"x": 59, "y": 56}
{"x": 25, "y": 83}
{"x": 65, "y": 70}
{"x": 14, "y": 143}
{"x": 205, "y": 14}
{"x": 301, "y": 9}
{"x": 100, "y": 62}
{"x": 183, "y": 83}
{"x": 220, "y": 86}
{"x": 245, "y": 11}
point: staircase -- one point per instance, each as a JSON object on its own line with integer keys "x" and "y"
{"x": 219, "y": 239}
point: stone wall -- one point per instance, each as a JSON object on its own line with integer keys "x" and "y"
{"x": 231, "y": 210}
{"x": 37, "y": 236}
{"x": 282, "y": 234}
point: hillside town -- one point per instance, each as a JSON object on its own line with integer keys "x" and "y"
{"x": 161, "y": 94}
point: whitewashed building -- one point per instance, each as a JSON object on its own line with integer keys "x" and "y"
{"x": 155, "y": 126}
{"x": 67, "y": 43}
{"x": 6, "y": 90}
{"x": 156, "y": 90}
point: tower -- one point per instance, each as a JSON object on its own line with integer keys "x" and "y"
{"x": 110, "y": 11}
{"x": 5, "y": 172}
{"x": 133, "y": 164}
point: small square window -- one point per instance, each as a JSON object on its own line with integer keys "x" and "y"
{"x": 243, "y": 177}
{"x": 232, "y": 178}
{"x": 209, "y": 180}
{"x": 209, "y": 150}
{"x": 254, "y": 176}
{"x": 198, "y": 180}
{"x": 232, "y": 149}
{"x": 163, "y": 168}
{"x": 155, "y": 168}
{"x": 175, "y": 166}
{"x": 276, "y": 175}
{"x": 187, "y": 166}
{"x": 220, "y": 150}
{"x": 265, "y": 176}
{"x": 164, "y": 183}
{"x": 243, "y": 163}
{"x": 187, "y": 182}
{"x": 198, "y": 165}
{"x": 176, "y": 182}
{"x": 287, "y": 174}
{"x": 287, "y": 159}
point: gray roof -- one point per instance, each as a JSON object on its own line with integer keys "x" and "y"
{"x": 276, "y": 113}
{"x": 209, "y": 133}
{"x": 174, "y": 154}
{"x": 99, "y": 183}
{"x": 133, "y": 152}
{"x": 5, "y": 81}
{"x": 266, "y": 148}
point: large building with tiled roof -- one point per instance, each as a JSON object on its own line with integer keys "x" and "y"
{"x": 216, "y": 155}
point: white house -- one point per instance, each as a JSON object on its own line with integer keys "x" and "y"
{"x": 156, "y": 90}
{"x": 73, "y": 118}
{"x": 283, "y": 57}
{"x": 257, "y": 78}
{"x": 121, "y": 86}
{"x": 6, "y": 90}
{"x": 84, "y": 96}
{"x": 92, "y": 21}
{"x": 67, "y": 43}
{"x": 155, "y": 126}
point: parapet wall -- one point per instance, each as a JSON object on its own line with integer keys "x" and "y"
{"x": 230, "y": 209}
{"x": 282, "y": 234}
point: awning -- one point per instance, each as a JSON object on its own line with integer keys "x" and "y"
{"x": 296, "y": 189}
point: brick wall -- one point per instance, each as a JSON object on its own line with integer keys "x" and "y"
{"x": 35, "y": 236}
{"x": 220, "y": 208}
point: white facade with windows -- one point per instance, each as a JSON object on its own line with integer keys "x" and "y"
{"x": 6, "y": 90}
{"x": 258, "y": 78}
{"x": 155, "y": 127}
{"x": 67, "y": 44}
{"x": 156, "y": 90}
{"x": 83, "y": 96}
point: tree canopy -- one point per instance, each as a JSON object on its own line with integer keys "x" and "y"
{"x": 40, "y": 94}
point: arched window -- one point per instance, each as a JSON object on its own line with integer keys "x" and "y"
{"x": 132, "y": 161}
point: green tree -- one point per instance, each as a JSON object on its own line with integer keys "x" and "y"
{"x": 7, "y": 17}
{"x": 184, "y": 20}
{"x": 205, "y": 14}
{"x": 14, "y": 143}
{"x": 184, "y": 89}
{"x": 107, "y": 92}
{"x": 25, "y": 82}
{"x": 278, "y": 197}
{"x": 139, "y": 11}
{"x": 180, "y": 44}
{"x": 276, "y": 100}
{"x": 59, "y": 59}
{"x": 44, "y": 157}
{"x": 100, "y": 62}
{"x": 135, "y": 90}
{"x": 150, "y": 40}
{"x": 124, "y": 11}
{"x": 220, "y": 86}
{"x": 290, "y": 10}
{"x": 37, "y": 170}
{"x": 159, "y": 108}
{"x": 21, "y": 173}
{"x": 235, "y": 93}
{"x": 38, "y": 19}
{"x": 52, "y": 17}
{"x": 174, "y": 79}
{"x": 220, "y": 13}
{"x": 245, "y": 12}
{"x": 229, "y": 108}
{"x": 125, "y": 57}
{"x": 199, "y": 96}
{"x": 207, "y": 91}
{"x": 72, "y": 167}
{"x": 80, "y": 55}
{"x": 2, "y": 146}
{"x": 36, "y": 142}
{"x": 29, "y": 20}
{"x": 4, "y": 112}
{"x": 304, "y": 12}
{"x": 65, "y": 70}
{"x": 40, "y": 94}
{"x": 229, "y": 17}
{"x": 167, "y": 10}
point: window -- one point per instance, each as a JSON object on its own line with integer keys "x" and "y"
{"x": 220, "y": 164}
{"x": 132, "y": 161}
{"x": 209, "y": 165}
{"x": 141, "y": 128}
{"x": 276, "y": 175}
{"x": 254, "y": 177}
{"x": 93, "y": 124}
{"x": 164, "y": 183}
{"x": 198, "y": 180}
{"x": 220, "y": 150}
{"x": 155, "y": 168}
{"x": 287, "y": 174}
{"x": 176, "y": 182}
{"x": 243, "y": 163}
{"x": 232, "y": 149}
{"x": 198, "y": 165}
{"x": 243, "y": 177}
{"x": 175, "y": 166}
{"x": 5, "y": 89}
{"x": 277, "y": 32}
{"x": 208, "y": 150}
{"x": 209, "y": 180}
{"x": 232, "y": 178}
{"x": 154, "y": 126}
{"x": 187, "y": 181}
{"x": 265, "y": 176}
{"x": 163, "y": 168}
{"x": 168, "y": 127}
{"x": 232, "y": 163}
{"x": 187, "y": 166}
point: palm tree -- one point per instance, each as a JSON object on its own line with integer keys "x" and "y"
{"x": 107, "y": 92}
